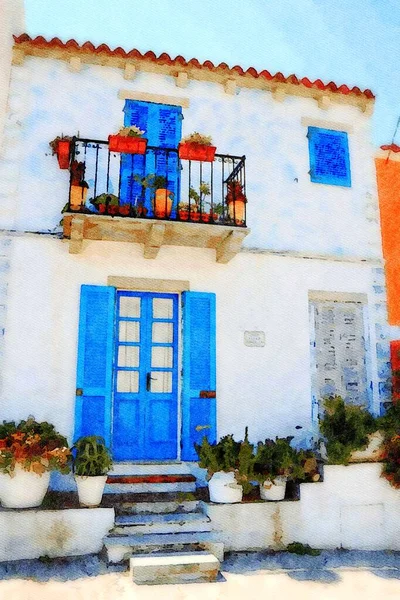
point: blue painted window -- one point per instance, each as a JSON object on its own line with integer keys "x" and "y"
{"x": 329, "y": 156}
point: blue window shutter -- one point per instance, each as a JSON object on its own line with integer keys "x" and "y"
{"x": 94, "y": 370}
{"x": 162, "y": 124}
{"x": 199, "y": 371}
{"x": 329, "y": 156}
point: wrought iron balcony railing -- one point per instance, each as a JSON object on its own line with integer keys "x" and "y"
{"x": 156, "y": 185}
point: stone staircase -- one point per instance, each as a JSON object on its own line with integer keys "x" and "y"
{"x": 161, "y": 529}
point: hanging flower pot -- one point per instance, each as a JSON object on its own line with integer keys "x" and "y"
{"x": 127, "y": 145}
{"x": 61, "y": 146}
{"x": 197, "y": 147}
{"x": 128, "y": 140}
{"x": 192, "y": 151}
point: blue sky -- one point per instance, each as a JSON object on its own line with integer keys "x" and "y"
{"x": 356, "y": 42}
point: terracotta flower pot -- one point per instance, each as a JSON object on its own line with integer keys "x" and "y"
{"x": 124, "y": 210}
{"x": 63, "y": 147}
{"x": 193, "y": 151}
{"x": 163, "y": 203}
{"x": 77, "y": 197}
{"x": 127, "y": 144}
{"x": 237, "y": 211}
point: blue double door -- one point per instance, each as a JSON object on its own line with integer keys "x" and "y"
{"x": 145, "y": 399}
{"x": 127, "y": 375}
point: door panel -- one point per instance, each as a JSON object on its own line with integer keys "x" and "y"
{"x": 340, "y": 351}
{"x": 145, "y": 383}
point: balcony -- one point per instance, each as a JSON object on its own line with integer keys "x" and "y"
{"x": 155, "y": 199}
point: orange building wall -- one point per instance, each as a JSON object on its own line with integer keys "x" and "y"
{"x": 388, "y": 179}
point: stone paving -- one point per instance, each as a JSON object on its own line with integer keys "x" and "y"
{"x": 332, "y": 574}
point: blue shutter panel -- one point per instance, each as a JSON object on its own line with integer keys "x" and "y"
{"x": 199, "y": 371}
{"x": 162, "y": 124}
{"x": 94, "y": 370}
{"x": 329, "y": 156}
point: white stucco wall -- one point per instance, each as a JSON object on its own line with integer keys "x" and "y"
{"x": 285, "y": 211}
{"x": 353, "y": 508}
{"x": 11, "y": 22}
{"x": 267, "y": 388}
{"x": 34, "y": 533}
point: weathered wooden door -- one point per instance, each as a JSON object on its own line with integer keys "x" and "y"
{"x": 339, "y": 350}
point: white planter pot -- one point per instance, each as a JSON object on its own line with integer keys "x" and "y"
{"x": 90, "y": 489}
{"x": 273, "y": 490}
{"x": 25, "y": 490}
{"x": 372, "y": 452}
{"x": 224, "y": 489}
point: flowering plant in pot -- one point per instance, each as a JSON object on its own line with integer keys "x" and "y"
{"x": 236, "y": 201}
{"x": 29, "y": 451}
{"x": 61, "y": 145}
{"x": 91, "y": 463}
{"x": 229, "y": 467}
{"x": 128, "y": 140}
{"x": 197, "y": 146}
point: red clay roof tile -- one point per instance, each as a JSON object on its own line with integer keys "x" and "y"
{"x": 164, "y": 58}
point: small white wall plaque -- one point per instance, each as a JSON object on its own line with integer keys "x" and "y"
{"x": 254, "y": 338}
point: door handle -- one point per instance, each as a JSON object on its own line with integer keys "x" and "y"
{"x": 149, "y": 378}
{"x": 79, "y": 392}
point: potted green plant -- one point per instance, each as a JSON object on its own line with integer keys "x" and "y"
{"x": 29, "y": 451}
{"x": 228, "y": 465}
{"x": 162, "y": 197}
{"x": 107, "y": 204}
{"x": 91, "y": 463}
{"x": 236, "y": 202}
{"x": 197, "y": 146}
{"x": 275, "y": 463}
{"x": 128, "y": 140}
{"x": 61, "y": 145}
{"x": 345, "y": 428}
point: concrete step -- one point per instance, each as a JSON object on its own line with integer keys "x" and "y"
{"x": 170, "y": 505}
{"x": 122, "y": 547}
{"x": 153, "y": 483}
{"x": 162, "y": 523}
{"x": 177, "y": 567}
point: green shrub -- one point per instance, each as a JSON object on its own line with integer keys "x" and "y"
{"x": 302, "y": 549}
{"x": 345, "y": 428}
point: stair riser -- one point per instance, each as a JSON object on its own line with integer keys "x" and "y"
{"x": 145, "y": 488}
{"x": 163, "y": 528}
{"x": 118, "y": 553}
{"x": 150, "y": 469}
{"x": 158, "y": 507}
{"x": 157, "y": 576}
